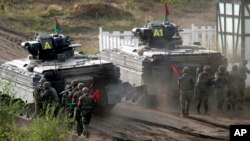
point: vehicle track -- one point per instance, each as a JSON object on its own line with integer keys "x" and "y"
{"x": 124, "y": 128}
{"x": 10, "y": 42}
{"x": 183, "y": 126}
{"x": 133, "y": 129}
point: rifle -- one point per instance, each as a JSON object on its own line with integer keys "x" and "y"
{"x": 65, "y": 91}
{"x": 38, "y": 88}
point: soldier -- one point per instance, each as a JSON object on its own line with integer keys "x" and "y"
{"x": 198, "y": 70}
{"x": 68, "y": 92}
{"x": 85, "y": 105}
{"x": 233, "y": 85}
{"x": 65, "y": 95}
{"x": 202, "y": 87}
{"x": 74, "y": 85}
{"x": 77, "y": 93}
{"x": 47, "y": 95}
{"x": 75, "y": 99}
{"x": 55, "y": 95}
{"x": 186, "y": 85}
{"x": 38, "y": 89}
{"x": 243, "y": 70}
{"x": 220, "y": 86}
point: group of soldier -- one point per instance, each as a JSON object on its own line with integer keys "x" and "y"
{"x": 45, "y": 95}
{"x": 228, "y": 87}
{"x": 76, "y": 100}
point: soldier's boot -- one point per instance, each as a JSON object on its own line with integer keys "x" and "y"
{"x": 183, "y": 113}
{"x": 86, "y": 130}
{"x": 198, "y": 107}
{"x": 233, "y": 106}
{"x": 79, "y": 127}
{"x": 187, "y": 112}
{"x": 228, "y": 106}
{"x": 206, "y": 111}
{"x": 219, "y": 107}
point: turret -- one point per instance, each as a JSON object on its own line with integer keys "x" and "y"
{"x": 50, "y": 47}
{"x": 158, "y": 35}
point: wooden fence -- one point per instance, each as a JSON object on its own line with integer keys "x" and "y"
{"x": 206, "y": 36}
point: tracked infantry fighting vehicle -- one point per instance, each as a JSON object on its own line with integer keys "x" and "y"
{"x": 152, "y": 67}
{"x": 53, "y": 57}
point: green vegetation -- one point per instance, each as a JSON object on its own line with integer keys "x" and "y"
{"x": 7, "y": 128}
{"x": 45, "y": 128}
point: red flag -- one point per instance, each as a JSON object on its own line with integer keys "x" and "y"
{"x": 175, "y": 70}
{"x": 166, "y": 9}
{"x": 96, "y": 95}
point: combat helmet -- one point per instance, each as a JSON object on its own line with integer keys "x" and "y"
{"x": 80, "y": 86}
{"x": 244, "y": 61}
{"x": 234, "y": 68}
{"x": 221, "y": 68}
{"x": 42, "y": 80}
{"x": 186, "y": 70}
{"x": 85, "y": 90}
{"x": 206, "y": 68}
{"x": 68, "y": 86}
{"x": 73, "y": 83}
{"x": 46, "y": 85}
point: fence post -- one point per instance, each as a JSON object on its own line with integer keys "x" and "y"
{"x": 116, "y": 38}
{"x": 209, "y": 29}
{"x": 186, "y": 36}
{"x": 193, "y": 33}
{"x": 100, "y": 39}
{"x": 203, "y": 36}
{"x": 127, "y": 37}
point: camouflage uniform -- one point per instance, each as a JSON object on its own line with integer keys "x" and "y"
{"x": 186, "y": 85}
{"x": 202, "y": 85}
{"x": 74, "y": 85}
{"x": 55, "y": 95}
{"x": 38, "y": 103}
{"x": 37, "y": 96}
{"x": 221, "y": 86}
{"x": 77, "y": 93}
{"x": 75, "y": 99}
{"x": 47, "y": 95}
{"x": 233, "y": 85}
{"x": 85, "y": 105}
{"x": 65, "y": 95}
{"x": 198, "y": 70}
{"x": 243, "y": 70}
{"x": 68, "y": 93}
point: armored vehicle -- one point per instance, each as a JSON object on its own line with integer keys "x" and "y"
{"x": 53, "y": 57}
{"x": 152, "y": 67}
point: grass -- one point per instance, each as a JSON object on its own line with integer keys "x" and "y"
{"x": 44, "y": 128}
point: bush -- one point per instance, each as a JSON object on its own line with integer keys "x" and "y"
{"x": 49, "y": 127}
{"x": 7, "y": 121}
{"x": 45, "y": 128}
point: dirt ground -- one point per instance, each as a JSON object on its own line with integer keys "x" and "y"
{"x": 94, "y": 136}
